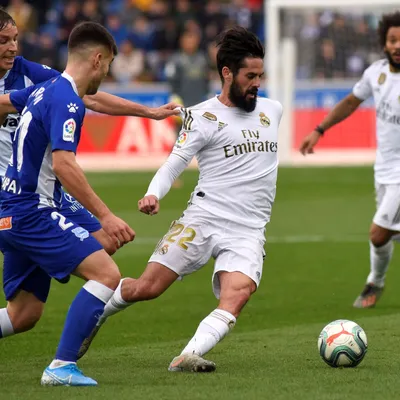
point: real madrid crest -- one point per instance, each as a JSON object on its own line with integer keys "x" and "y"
{"x": 382, "y": 78}
{"x": 164, "y": 249}
{"x": 264, "y": 119}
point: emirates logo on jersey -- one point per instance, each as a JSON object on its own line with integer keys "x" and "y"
{"x": 252, "y": 145}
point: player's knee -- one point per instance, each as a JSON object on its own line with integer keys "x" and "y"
{"x": 110, "y": 276}
{"x": 379, "y": 236}
{"x": 112, "y": 279}
{"x": 101, "y": 268}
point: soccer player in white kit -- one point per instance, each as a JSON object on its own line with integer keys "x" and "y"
{"x": 234, "y": 137}
{"x": 382, "y": 81}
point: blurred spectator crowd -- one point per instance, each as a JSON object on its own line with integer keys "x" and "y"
{"x": 148, "y": 32}
{"x": 160, "y": 39}
{"x": 333, "y": 45}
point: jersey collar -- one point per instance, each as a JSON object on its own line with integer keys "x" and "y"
{"x": 71, "y": 80}
{"x": 6, "y": 75}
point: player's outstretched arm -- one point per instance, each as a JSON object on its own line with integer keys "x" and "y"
{"x": 161, "y": 183}
{"x": 106, "y": 103}
{"x": 73, "y": 179}
{"x": 341, "y": 111}
{"x": 6, "y": 107}
{"x": 195, "y": 134}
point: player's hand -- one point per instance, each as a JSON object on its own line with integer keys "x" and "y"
{"x": 119, "y": 231}
{"x": 167, "y": 110}
{"x": 308, "y": 143}
{"x": 149, "y": 205}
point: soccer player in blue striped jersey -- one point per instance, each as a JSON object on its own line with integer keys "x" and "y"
{"x": 33, "y": 230}
{"x": 18, "y": 73}
{"x": 24, "y": 309}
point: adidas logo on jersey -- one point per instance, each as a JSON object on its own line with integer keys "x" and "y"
{"x": 221, "y": 126}
{"x": 72, "y": 107}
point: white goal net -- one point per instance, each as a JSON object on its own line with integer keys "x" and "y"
{"x": 316, "y": 51}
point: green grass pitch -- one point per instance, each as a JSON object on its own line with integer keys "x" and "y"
{"x": 317, "y": 261}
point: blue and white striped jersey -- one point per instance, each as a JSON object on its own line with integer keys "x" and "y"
{"x": 52, "y": 114}
{"x": 23, "y": 74}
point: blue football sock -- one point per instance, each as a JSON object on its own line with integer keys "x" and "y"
{"x": 82, "y": 317}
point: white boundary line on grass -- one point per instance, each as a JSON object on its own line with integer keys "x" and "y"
{"x": 287, "y": 239}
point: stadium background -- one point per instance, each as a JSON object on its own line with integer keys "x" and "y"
{"x": 335, "y": 49}
{"x": 317, "y": 241}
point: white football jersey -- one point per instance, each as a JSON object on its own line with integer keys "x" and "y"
{"x": 237, "y": 157}
{"x": 384, "y": 85}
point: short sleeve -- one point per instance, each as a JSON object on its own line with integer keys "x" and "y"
{"x": 363, "y": 89}
{"x": 192, "y": 137}
{"x": 66, "y": 118}
{"x": 20, "y": 97}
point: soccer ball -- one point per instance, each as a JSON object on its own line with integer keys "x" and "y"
{"x": 342, "y": 343}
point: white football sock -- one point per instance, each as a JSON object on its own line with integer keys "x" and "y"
{"x": 380, "y": 258}
{"x": 115, "y": 304}
{"x": 60, "y": 363}
{"x": 211, "y": 330}
{"x": 6, "y": 327}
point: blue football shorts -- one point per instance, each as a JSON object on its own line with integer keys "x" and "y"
{"x": 74, "y": 210}
{"x": 45, "y": 238}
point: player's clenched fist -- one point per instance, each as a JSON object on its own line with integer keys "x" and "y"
{"x": 308, "y": 143}
{"x": 149, "y": 205}
{"x": 119, "y": 231}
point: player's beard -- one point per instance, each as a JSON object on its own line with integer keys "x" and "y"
{"x": 240, "y": 100}
{"x": 392, "y": 62}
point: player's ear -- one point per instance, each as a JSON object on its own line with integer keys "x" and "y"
{"x": 227, "y": 74}
{"x": 97, "y": 60}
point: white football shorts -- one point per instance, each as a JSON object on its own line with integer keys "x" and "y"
{"x": 388, "y": 206}
{"x": 198, "y": 235}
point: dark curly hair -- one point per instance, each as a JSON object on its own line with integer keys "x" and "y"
{"x": 388, "y": 21}
{"x": 234, "y": 45}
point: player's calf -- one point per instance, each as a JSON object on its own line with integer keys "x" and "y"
{"x": 236, "y": 290}
{"x": 22, "y": 313}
